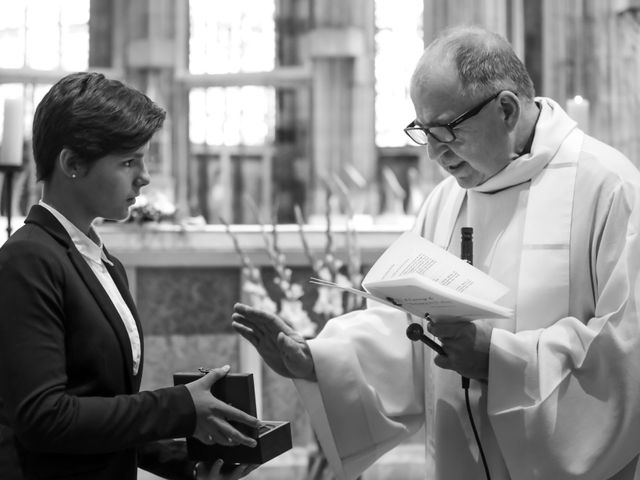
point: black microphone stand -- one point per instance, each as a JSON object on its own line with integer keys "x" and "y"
{"x": 466, "y": 253}
{"x": 415, "y": 332}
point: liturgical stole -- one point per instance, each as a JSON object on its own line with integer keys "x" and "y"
{"x": 544, "y": 263}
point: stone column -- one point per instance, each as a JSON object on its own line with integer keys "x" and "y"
{"x": 341, "y": 52}
{"x": 150, "y": 62}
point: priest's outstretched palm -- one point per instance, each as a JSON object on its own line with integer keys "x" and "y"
{"x": 284, "y": 349}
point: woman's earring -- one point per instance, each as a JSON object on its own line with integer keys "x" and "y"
{"x": 73, "y": 175}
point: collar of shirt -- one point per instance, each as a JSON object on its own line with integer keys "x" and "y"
{"x": 551, "y": 129}
{"x": 90, "y": 246}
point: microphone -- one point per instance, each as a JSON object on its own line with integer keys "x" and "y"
{"x": 415, "y": 333}
{"x": 466, "y": 254}
{"x": 466, "y": 245}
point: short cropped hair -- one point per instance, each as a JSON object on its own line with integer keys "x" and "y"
{"x": 93, "y": 116}
{"x": 485, "y": 61}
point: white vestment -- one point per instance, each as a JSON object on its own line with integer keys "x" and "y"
{"x": 558, "y": 226}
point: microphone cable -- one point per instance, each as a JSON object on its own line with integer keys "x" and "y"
{"x": 466, "y": 254}
{"x": 415, "y": 333}
{"x": 465, "y": 386}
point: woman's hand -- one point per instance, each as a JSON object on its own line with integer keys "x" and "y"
{"x": 213, "y": 415}
{"x": 208, "y": 471}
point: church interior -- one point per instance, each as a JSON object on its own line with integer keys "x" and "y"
{"x": 283, "y": 149}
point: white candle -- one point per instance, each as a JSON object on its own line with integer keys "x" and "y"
{"x": 12, "y": 133}
{"x": 578, "y": 109}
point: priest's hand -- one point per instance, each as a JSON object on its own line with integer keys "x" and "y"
{"x": 466, "y": 345}
{"x": 281, "y": 347}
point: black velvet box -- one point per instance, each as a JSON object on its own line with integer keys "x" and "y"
{"x": 237, "y": 389}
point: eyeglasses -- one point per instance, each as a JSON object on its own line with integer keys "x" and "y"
{"x": 443, "y": 133}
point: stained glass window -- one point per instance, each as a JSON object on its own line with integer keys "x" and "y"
{"x": 232, "y": 115}
{"x": 41, "y": 35}
{"x": 44, "y": 34}
{"x": 237, "y": 38}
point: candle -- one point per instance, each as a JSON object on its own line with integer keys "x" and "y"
{"x": 12, "y": 133}
{"x": 578, "y": 109}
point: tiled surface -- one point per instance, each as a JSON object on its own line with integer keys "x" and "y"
{"x": 186, "y": 301}
{"x": 165, "y": 355}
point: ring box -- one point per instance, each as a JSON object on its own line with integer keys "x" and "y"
{"x": 273, "y": 438}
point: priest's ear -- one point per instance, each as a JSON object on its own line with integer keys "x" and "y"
{"x": 510, "y": 109}
{"x": 71, "y": 165}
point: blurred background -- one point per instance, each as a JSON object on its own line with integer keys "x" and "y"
{"x": 284, "y": 134}
{"x": 277, "y": 99}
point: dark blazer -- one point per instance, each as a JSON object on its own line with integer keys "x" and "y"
{"x": 66, "y": 365}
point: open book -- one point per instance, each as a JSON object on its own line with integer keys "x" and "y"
{"x": 418, "y": 277}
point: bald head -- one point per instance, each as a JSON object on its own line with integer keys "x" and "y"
{"x": 476, "y": 63}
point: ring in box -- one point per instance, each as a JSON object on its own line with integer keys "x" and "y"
{"x": 236, "y": 389}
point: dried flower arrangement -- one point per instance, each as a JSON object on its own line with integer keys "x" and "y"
{"x": 289, "y": 306}
{"x": 288, "y": 302}
{"x": 152, "y": 207}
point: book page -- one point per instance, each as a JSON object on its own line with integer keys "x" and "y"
{"x": 361, "y": 293}
{"x": 413, "y": 254}
{"x": 420, "y": 296}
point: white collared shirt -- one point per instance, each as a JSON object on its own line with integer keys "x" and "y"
{"x": 95, "y": 257}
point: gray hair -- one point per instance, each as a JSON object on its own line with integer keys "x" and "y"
{"x": 485, "y": 61}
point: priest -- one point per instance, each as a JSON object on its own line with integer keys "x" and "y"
{"x": 554, "y": 390}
